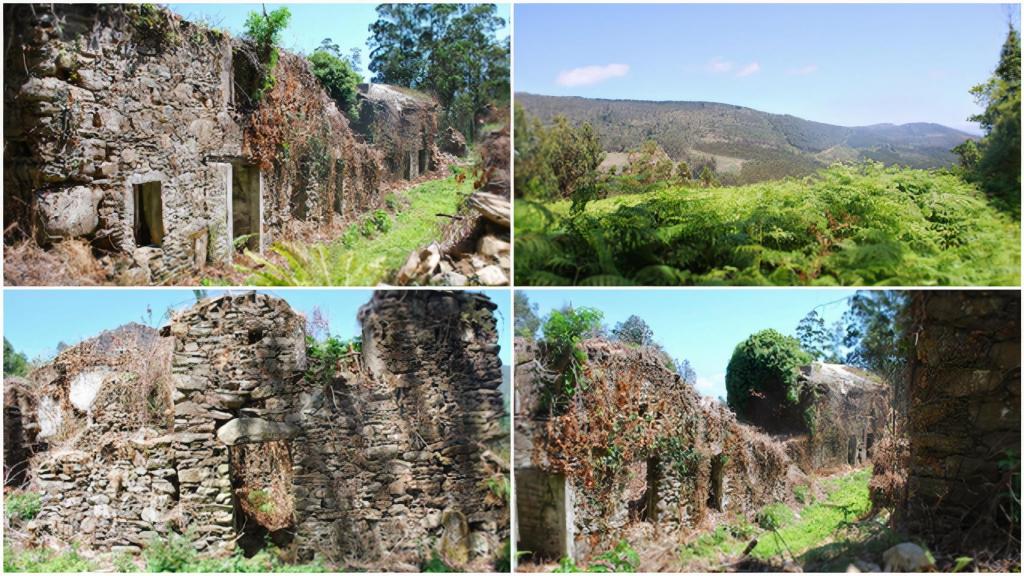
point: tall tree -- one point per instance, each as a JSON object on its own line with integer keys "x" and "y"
{"x": 526, "y": 320}
{"x": 998, "y": 167}
{"x": 15, "y": 363}
{"x": 686, "y": 372}
{"x": 449, "y": 50}
{"x": 634, "y": 331}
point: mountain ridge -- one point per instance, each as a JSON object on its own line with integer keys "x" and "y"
{"x": 745, "y": 144}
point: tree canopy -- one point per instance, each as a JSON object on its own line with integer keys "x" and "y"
{"x": 15, "y": 363}
{"x": 634, "y": 331}
{"x": 767, "y": 361}
{"x": 448, "y": 50}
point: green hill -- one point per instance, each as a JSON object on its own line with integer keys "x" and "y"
{"x": 850, "y": 225}
{"x": 748, "y": 145}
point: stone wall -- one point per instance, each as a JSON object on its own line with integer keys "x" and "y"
{"x": 133, "y": 128}
{"x": 964, "y": 418}
{"x": 402, "y": 123}
{"x": 845, "y": 414}
{"x": 636, "y": 446}
{"x": 382, "y": 460}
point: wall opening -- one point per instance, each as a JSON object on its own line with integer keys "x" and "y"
{"x": 263, "y": 501}
{"x": 716, "y": 492}
{"x": 339, "y": 187}
{"x": 649, "y": 511}
{"x": 851, "y": 455}
{"x": 246, "y": 207}
{"x": 422, "y": 161}
{"x": 149, "y": 213}
{"x": 869, "y": 444}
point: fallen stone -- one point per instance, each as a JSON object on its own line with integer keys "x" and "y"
{"x": 907, "y": 557}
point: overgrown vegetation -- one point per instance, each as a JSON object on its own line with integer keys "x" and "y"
{"x": 22, "y": 506}
{"x": 369, "y": 250}
{"x": 448, "y": 50}
{"x": 849, "y": 225}
{"x": 15, "y": 363}
{"x": 264, "y": 31}
{"x": 338, "y": 78}
{"x": 564, "y": 330}
{"x": 177, "y": 554}
{"x": 994, "y": 161}
{"x": 622, "y": 558}
{"x": 44, "y": 560}
{"x": 766, "y": 363}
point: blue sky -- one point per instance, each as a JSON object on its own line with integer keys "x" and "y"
{"x": 35, "y": 321}
{"x": 703, "y": 326}
{"x": 846, "y": 64}
{"x": 346, "y": 24}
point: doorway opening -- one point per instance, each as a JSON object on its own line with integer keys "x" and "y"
{"x": 149, "y": 213}
{"x": 246, "y": 208}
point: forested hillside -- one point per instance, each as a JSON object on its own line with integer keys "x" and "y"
{"x": 747, "y": 145}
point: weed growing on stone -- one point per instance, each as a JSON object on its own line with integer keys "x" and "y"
{"x": 22, "y": 505}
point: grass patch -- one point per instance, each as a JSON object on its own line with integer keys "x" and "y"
{"x": 369, "y": 250}
{"x": 847, "y": 225}
{"x": 846, "y": 502}
{"x": 812, "y": 535}
{"x": 44, "y": 560}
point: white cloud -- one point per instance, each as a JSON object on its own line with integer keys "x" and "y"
{"x": 713, "y": 386}
{"x": 752, "y": 68}
{"x": 588, "y": 75}
{"x": 803, "y": 70}
{"x": 719, "y": 65}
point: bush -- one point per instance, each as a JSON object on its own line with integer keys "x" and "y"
{"x": 264, "y": 30}
{"x": 174, "y": 554}
{"x": 22, "y": 505}
{"x": 339, "y": 79}
{"x": 851, "y": 225}
{"x": 768, "y": 362}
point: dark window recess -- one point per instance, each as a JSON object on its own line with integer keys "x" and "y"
{"x": 149, "y": 214}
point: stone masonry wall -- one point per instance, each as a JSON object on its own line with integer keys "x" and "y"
{"x": 102, "y": 99}
{"x": 652, "y": 452}
{"x": 388, "y": 457}
{"x": 964, "y": 425}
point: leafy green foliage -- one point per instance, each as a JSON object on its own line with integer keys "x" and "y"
{"x": 802, "y": 494}
{"x": 177, "y": 554}
{"x": 634, "y": 331}
{"x": 766, "y": 362}
{"x": 848, "y": 225}
{"x": 339, "y": 79}
{"x": 44, "y": 560}
{"x": 564, "y": 330}
{"x": 15, "y": 363}
{"x": 817, "y": 340}
{"x": 995, "y": 160}
{"x": 449, "y": 50}
{"x": 264, "y": 31}
{"x": 556, "y": 160}
{"x": 621, "y": 558}
{"x": 774, "y": 516}
{"x": 22, "y": 505}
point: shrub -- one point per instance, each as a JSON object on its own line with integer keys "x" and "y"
{"x": 802, "y": 494}
{"x": 564, "y": 330}
{"x": 767, "y": 361}
{"x": 22, "y": 505}
{"x": 174, "y": 554}
{"x": 264, "y": 30}
{"x": 339, "y": 79}
{"x": 44, "y": 560}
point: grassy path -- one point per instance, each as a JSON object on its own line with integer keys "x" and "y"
{"x": 370, "y": 250}
{"x": 823, "y": 535}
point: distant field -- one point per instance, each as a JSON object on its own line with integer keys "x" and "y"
{"x": 847, "y": 225}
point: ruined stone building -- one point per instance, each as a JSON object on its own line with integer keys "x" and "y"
{"x": 964, "y": 420}
{"x": 157, "y": 138}
{"x": 638, "y": 444}
{"x": 401, "y": 122}
{"x": 222, "y": 430}
{"x": 636, "y": 448}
